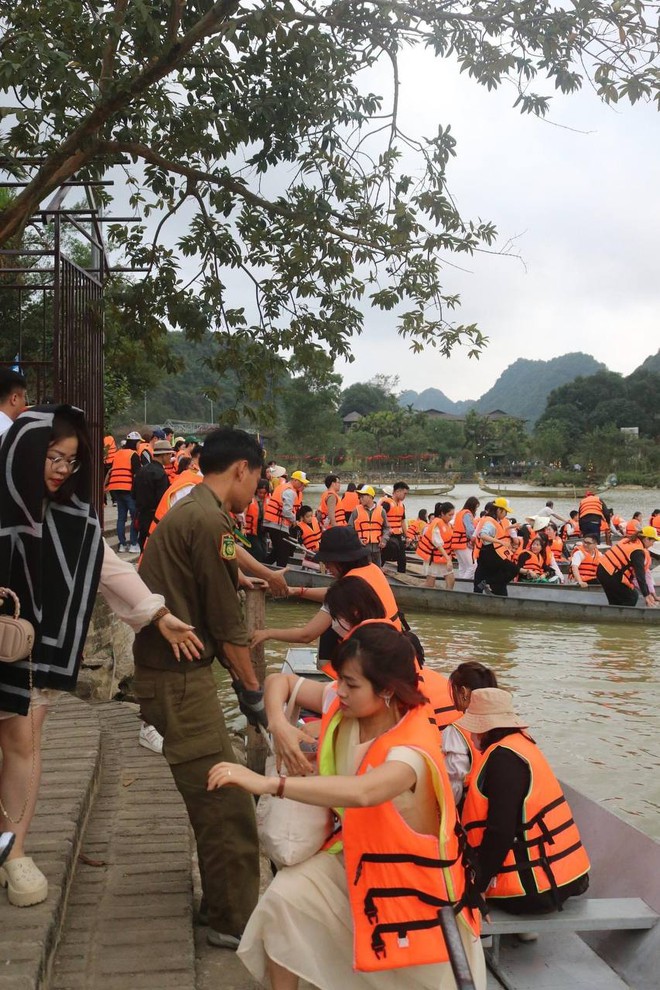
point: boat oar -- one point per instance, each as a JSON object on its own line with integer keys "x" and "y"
{"x": 457, "y": 957}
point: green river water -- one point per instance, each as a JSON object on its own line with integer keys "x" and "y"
{"x": 591, "y": 693}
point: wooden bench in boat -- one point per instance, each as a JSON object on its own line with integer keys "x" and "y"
{"x": 580, "y": 914}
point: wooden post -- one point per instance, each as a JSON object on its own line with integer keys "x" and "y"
{"x": 255, "y": 618}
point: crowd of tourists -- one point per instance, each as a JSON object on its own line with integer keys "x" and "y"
{"x": 436, "y": 793}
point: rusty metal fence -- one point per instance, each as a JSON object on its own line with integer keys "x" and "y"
{"x": 51, "y": 319}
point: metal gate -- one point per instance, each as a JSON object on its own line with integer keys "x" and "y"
{"x": 51, "y": 310}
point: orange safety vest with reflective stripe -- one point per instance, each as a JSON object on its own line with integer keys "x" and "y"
{"x": 616, "y": 561}
{"x": 373, "y": 575}
{"x": 590, "y": 505}
{"x": 273, "y": 507}
{"x": 547, "y": 848}
{"x": 588, "y": 565}
{"x": 311, "y": 535}
{"x": 460, "y": 537}
{"x": 120, "y": 478}
{"x": 109, "y": 448}
{"x": 183, "y": 480}
{"x": 396, "y": 515}
{"x": 369, "y": 525}
{"x": 340, "y": 516}
{"x": 398, "y": 879}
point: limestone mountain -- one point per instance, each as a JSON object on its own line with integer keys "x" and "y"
{"x": 521, "y": 390}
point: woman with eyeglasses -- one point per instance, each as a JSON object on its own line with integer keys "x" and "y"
{"x": 53, "y": 556}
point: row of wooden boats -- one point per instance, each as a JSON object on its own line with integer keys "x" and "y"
{"x": 554, "y": 603}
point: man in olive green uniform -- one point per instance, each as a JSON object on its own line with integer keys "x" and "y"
{"x": 191, "y": 560}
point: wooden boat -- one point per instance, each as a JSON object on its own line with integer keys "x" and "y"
{"x": 548, "y": 493}
{"x": 421, "y": 492}
{"x": 524, "y": 601}
{"x": 609, "y": 939}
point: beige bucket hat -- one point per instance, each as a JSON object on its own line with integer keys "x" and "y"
{"x": 491, "y": 708}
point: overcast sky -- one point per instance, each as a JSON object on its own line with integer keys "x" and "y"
{"x": 580, "y": 196}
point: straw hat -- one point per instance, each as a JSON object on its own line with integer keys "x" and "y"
{"x": 491, "y": 708}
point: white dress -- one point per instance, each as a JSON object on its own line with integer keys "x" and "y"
{"x": 303, "y": 921}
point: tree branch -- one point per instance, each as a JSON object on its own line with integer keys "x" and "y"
{"x": 111, "y": 43}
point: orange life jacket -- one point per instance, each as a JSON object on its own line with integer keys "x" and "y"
{"x": 120, "y": 478}
{"x": 415, "y": 529}
{"x": 396, "y": 516}
{"x": 311, "y": 535}
{"x": 549, "y": 847}
{"x": 590, "y": 505}
{"x": 478, "y": 526}
{"x": 436, "y": 688}
{"x": 460, "y": 537}
{"x": 535, "y": 562}
{"x": 556, "y": 548}
{"x": 426, "y": 548}
{"x": 398, "y": 879}
{"x": 340, "y": 515}
{"x": 588, "y": 565}
{"x": 369, "y": 525}
{"x": 633, "y": 527}
{"x": 349, "y": 502}
{"x": 502, "y": 546}
{"x": 109, "y": 448}
{"x": 183, "y": 480}
{"x": 616, "y": 560}
{"x": 251, "y": 516}
{"x": 142, "y": 446}
{"x": 273, "y": 508}
{"x": 655, "y": 521}
{"x": 373, "y": 575}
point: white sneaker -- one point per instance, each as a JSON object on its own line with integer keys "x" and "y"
{"x": 134, "y": 548}
{"x": 150, "y": 738}
{"x": 122, "y": 548}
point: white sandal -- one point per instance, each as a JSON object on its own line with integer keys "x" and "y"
{"x": 26, "y": 885}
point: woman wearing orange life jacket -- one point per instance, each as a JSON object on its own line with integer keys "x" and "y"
{"x": 434, "y": 547}
{"x": 623, "y": 562}
{"x": 495, "y": 564}
{"x": 634, "y": 525}
{"x": 533, "y": 562}
{"x": 415, "y": 529}
{"x": 461, "y": 755}
{"x": 655, "y": 519}
{"x": 529, "y": 855}
{"x": 382, "y": 772}
{"x": 343, "y": 555}
{"x": 584, "y": 562}
{"x": 462, "y": 542}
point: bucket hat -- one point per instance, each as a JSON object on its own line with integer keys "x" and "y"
{"x": 490, "y": 708}
{"x": 340, "y": 544}
{"x": 163, "y": 447}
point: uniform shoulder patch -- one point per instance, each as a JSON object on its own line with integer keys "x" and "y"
{"x": 228, "y": 547}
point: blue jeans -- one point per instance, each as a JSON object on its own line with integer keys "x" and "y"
{"x": 125, "y": 505}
